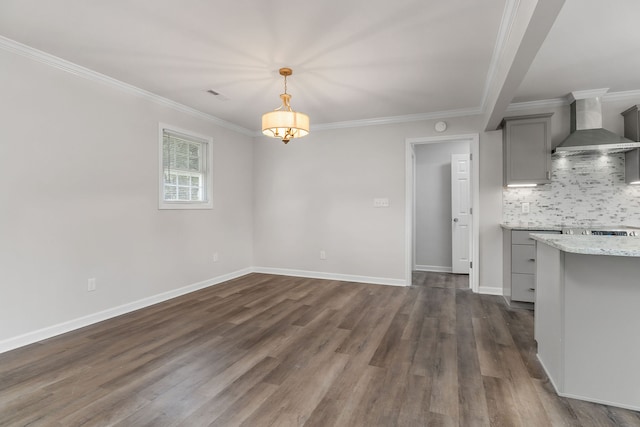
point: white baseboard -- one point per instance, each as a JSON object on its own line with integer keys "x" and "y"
{"x": 579, "y": 397}
{"x": 490, "y": 290}
{"x": 61, "y": 328}
{"x": 331, "y": 276}
{"x": 600, "y": 401}
{"x": 434, "y": 268}
{"x": 68, "y": 326}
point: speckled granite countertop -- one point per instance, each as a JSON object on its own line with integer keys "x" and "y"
{"x": 592, "y": 245}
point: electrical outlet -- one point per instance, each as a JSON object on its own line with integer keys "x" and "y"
{"x": 525, "y": 207}
{"x": 91, "y": 284}
{"x": 215, "y": 257}
{"x": 323, "y": 255}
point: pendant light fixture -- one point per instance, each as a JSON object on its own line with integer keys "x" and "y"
{"x": 283, "y": 122}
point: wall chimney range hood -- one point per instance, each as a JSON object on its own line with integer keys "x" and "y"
{"x": 587, "y": 134}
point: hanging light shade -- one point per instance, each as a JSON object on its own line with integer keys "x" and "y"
{"x": 284, "y": 123}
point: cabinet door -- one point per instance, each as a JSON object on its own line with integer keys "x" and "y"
{"x": 521, "y": 237}
{"x": 527, "y": 143}
{"x": 523, "y": 259}
{"x": 523, "y": 287}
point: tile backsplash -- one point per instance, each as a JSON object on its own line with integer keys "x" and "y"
{"x": 587, "y": 189}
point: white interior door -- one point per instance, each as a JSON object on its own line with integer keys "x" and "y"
{"x": 460, "y": 213}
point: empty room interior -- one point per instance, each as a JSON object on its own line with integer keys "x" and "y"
{"x": 337, "y": 213}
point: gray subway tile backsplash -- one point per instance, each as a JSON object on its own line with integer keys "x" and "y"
{"x": 585, "y": 190}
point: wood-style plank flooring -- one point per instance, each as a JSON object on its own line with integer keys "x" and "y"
{"x": 267, "y": 350}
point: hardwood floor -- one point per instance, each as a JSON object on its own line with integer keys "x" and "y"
{"x": 267, "y": 350}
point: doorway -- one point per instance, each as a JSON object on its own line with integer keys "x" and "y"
{"x": 430, "y": 224}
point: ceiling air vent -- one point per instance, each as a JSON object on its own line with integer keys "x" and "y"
{"x": 218, "y": 95}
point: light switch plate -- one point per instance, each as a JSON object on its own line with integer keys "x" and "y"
{"x": 382, "y": 202}
{"x": 525, "y": 207}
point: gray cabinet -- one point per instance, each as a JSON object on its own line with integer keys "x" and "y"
{"x": 632, "y": 123}
{"x": 632, "y": 158}
{"x": 527, "y": 149}
{"x": 519, "y": 278}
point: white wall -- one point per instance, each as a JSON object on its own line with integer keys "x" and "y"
{"x": 317, "y": 194}
{"x": 433, "y": 203}
{"x": 78, "y": 176}
{"x": 79, "y": 179}
{"x": 491, "y": 212}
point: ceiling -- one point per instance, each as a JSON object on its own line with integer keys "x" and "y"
{"x": 593, "y": 44}
{"x": 351, "y": 59}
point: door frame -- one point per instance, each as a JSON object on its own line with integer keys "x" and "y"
{"x": 474, "y": 143}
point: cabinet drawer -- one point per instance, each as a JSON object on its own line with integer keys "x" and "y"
{"x": 523, "y": 287}
{"x": 521, "y": 237}
{"x": 523, "y": 259}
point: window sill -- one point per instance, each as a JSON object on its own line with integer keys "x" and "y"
{"x": 184, "y": 205}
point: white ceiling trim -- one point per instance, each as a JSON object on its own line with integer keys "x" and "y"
{"x": 508, "y": 17}
{"x": 586, "y": 94}
{"x": 463, "y": 112}
{"x": 531, "y": 105}
{"x": 621, "y": 96}
{"x": 78, "y": 70}
{"x": 559, "y": 102}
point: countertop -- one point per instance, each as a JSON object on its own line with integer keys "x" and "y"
{"x": 592, "y": 245}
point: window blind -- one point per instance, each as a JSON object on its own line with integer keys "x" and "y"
{"x": 184, "y": 167}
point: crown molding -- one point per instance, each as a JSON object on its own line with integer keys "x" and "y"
{"x": 463, "y": 112}
{"x": 621, "y": 96}
{"x": 533, "y": 105}
{"x": 586, "y": 94}
{"x": 559, "y": 102}
{"x": 78, "y": 70}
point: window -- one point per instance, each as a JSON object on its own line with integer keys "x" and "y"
{"x": 185, "y": 169}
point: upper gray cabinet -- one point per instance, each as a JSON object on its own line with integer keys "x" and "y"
{"x": 527, "y": 149}
{"x": 632, "y": 123}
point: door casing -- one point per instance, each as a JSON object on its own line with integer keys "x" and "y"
{"x": 410, "y": 143}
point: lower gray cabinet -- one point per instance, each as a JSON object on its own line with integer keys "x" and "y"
{"x": 523, "y": 259}
{"x": 519, "y": 264}
{"x": 523, "y": 287}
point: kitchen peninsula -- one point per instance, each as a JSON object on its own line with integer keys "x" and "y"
{"x": 587, "y": 316}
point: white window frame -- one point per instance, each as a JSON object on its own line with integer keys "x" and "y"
{"x": 207, "y": 168}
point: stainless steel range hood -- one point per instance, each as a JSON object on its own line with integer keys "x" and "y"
{"x": 587, "y": 134}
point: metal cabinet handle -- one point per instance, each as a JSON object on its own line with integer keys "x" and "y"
{"x": 532, "y": 289}
{"x": 532, "y": 259}
{"x": 455, "y": 219}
